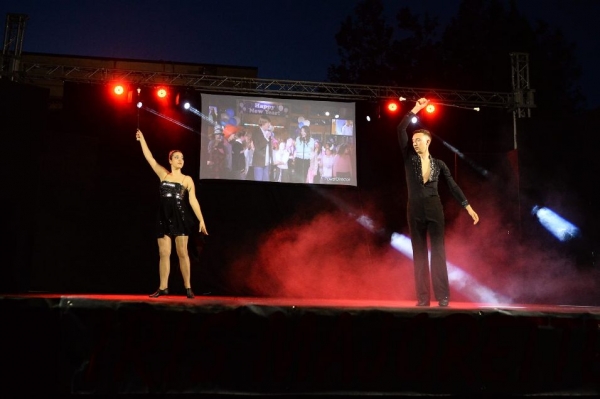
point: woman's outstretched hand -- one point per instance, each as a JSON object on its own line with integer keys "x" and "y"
{"x": 203, "y": 228}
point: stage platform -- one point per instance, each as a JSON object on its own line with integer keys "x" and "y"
{"x": 64, "y": 344}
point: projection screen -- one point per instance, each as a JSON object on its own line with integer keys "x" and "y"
{"x": 278, "y": 140}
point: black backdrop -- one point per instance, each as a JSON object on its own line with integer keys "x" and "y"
{"x": 83, "y": 211}
{"x": 23, "y": 117}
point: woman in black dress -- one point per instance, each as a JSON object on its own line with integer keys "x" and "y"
{"x": 175, "y": 220}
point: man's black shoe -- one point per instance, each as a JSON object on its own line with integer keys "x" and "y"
{"x": 444, "y": 302}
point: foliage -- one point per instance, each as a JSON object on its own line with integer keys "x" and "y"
{"x": 471, "y": 53}
{"x": 363, "y": 45}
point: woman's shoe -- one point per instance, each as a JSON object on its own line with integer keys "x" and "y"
{"x": 159, "y": 292}
{"x": 189, "y": 293}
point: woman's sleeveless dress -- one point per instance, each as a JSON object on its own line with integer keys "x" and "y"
{"x": 175, "y": 217}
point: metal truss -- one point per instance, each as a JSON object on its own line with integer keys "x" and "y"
{"x": 12, "y": 48}
{"x": 32, "y": 72}
{"x": 523, "y": 100}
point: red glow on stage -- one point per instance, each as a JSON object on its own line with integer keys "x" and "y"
{"x": 329, "y": 257}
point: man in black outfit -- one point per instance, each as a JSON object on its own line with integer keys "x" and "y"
{"x": 238, "y": 159}
{"x": 262, "y": 160}
{"x": 425, "y": 213}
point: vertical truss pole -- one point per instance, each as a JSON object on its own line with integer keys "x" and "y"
{"x": 520, "y": 84}
{"x": 523, "y": 102}
{"x": 14, "y": 34}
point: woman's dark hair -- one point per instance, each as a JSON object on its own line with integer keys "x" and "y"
{"x": 173, "y": 152}
{"x": 307, "y": 130}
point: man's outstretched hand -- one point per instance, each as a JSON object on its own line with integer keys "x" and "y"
{"x": 421, "y": 103}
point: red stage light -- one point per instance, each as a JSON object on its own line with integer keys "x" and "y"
{"x": 430, "y": 108}
{"x": 119, "y": 93}
{"x": 393, "y": 106}
{"x": 161, "y": 92}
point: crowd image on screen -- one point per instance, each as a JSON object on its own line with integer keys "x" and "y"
{"x": 280, "y": 141}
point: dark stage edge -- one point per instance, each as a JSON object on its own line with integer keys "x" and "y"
{"x": 65, "y": 344}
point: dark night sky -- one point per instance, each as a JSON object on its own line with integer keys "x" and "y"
{"x": 289, "y": 39}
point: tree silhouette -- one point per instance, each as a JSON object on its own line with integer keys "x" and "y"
{"x": 470, "y": 53}
{"x": 363, "y": 45}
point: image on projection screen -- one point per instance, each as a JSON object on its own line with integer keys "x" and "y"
{"x": 278, "y": 140}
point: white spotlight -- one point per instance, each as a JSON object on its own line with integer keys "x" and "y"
{"x": 368, "y": 118}
{"x": 186, "y": 105}
{"x": 414, "y": 119}
{"x": 139, "y": 104}
{"x": 558, "y": 226}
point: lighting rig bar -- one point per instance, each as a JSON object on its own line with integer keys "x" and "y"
{"x": 31, "y": 72}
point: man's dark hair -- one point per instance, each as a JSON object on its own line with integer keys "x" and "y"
{"x": 424, "y": 131}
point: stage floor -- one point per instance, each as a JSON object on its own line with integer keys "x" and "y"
{"x": 131, "y": 344}
{"x": 228, "y": 301}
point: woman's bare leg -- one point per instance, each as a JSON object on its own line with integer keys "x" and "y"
{"x": 164, "y": 265}
{"x": 181, "y": 243}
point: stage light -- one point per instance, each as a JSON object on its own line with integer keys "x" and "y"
{"x": 559, "y": 227}
{"x": 120, "y": 93}
{"x": 368, "y": 118}
{"x": 392, "y": 107}
{"x": 139, "y": 104}
{"x": 194, "y": 111}
{"x": 183, "y": 98}
{"x": 414, "y": 119}
{"x": 161, "y": 92}
{"x": 430, "y": 108}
